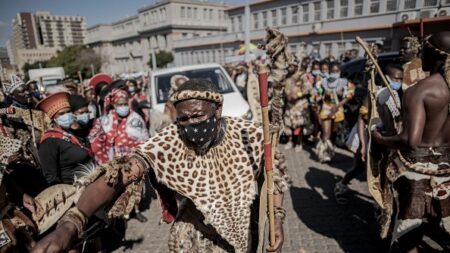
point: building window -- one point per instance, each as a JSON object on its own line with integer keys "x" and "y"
{"x": 240, "y": 28}
{"x": 391, "y": 5}
{"x": 205, "y": 13}
{"x": 232, "y": 25}
{"x": 305, "y": 8}
{"x": 264, "y": 17}
{"x": 274, "y": 17}
{"x": 189, "y": 12}
{"x": 410, "y": 4}
{"x": 195, "y": 13}
{"x": 317, "y": 11}
{"x": 330, "y": 9}
{"x": 374, "y": 6}
{"x": 294, "y": 12}
{"x": 344, "y": 9}
{"x": 358, "y": 7}
{"x": 255, "y": 21}
{"x": 211, "y": 14}
{"x": 283, "y": 16}
{"x": 429, "y": 3}
{"x": 182, "y": 12}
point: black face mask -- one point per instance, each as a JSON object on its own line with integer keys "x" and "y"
{"x": 199, "y": 135}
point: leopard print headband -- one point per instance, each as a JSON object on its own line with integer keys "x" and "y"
{"x": 443, "y": 53}
{"x": 193, "y": 94}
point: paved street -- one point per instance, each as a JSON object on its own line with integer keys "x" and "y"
{"x": 315, "y": 222}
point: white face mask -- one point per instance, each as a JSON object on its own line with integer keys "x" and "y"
{"x": 123, "y": 110}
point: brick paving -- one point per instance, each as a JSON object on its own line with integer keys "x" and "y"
{"x": 314, "y": 223}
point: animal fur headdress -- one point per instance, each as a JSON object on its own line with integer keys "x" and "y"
{"x": 197, "y": 89}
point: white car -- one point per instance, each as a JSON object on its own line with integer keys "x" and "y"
{"x": 234, "y": 104}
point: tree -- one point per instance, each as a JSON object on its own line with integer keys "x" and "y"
{"x": 76, "y": 58}
{"x": 162, "y": 59}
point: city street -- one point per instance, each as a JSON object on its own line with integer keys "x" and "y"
{"x": 314, "y": 223}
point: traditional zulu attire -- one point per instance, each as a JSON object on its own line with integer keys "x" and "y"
{"x": 418, "y": 186}
{"x": 16, "y": 140}
{"x": 412, "y": 70}
{"x": 297, "y": 114}
{"x": 211, "y": 197}
{"x": 110, "y": 137}
{"x": 332, "y": 92}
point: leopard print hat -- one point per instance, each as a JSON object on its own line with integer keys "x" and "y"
{"x": 197, "y": 89}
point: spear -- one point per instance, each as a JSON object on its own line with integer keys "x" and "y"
{"x": 264, "y": 100}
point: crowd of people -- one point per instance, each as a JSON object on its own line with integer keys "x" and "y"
{"x": 64, "y": 132}
{"x": 204, "y": 166}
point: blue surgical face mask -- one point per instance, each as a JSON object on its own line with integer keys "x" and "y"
{"x": 123, "y": 110}
{"x": 315, "y": 72}
{"x": 335, "y": 75}
{"x": 65, "y": 120}
{"x": 395, "y": 84}
{"x": 131, "y": 89}
{"x": 83, "y": 119}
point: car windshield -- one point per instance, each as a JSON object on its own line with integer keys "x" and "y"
{"x": 215, "y": 75}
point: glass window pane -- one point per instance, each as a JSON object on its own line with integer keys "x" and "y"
{"x": 305, "y": 13}
{"x": 358, "y": 7}
{"x": 429, "y": 2}
{"x": 283, "y": 16}
{"x": 294, "y": 12}
{"x": 316, "y": 11}
{"x": 255, "y": 21}
{"x": 410, "y": 4}
{"x": 391, "y": 5}
{"x": 374, "y": 6}
{"x": 274, "y": 18}
{"x": 330, "y": 9}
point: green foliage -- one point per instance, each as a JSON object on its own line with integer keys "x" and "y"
{"x": 35, "y": 65}
{"x": 76, "y": 58}
{"x": 162, "y": 59}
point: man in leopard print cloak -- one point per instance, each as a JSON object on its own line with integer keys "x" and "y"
{"x": 207, "y": 170}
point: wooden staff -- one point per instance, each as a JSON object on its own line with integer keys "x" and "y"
{"x": 268, "y": 157}
{"x": 80, "y": 77}
{"x": 383, "y": 77}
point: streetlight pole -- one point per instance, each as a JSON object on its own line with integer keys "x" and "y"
{"x": 247, "y": 31}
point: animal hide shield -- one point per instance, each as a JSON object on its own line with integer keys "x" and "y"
{"x": 52, "y": 203}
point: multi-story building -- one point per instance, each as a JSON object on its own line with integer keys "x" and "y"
{"x": 330, "y": 26}
{"x": 37, "y": 37}
{"x": 125, "y": 45}
{"x": 5, "y": 65}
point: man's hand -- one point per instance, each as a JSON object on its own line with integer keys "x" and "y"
{"x": 279, "y": 238}
{"x": 376, "y": 136}
{"x": 28, "y": 203}
{"x": 363, "y": 153}
{"x": 57, "y": 241}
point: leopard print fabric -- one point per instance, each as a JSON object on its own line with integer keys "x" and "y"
{"x": 221, "y": 182}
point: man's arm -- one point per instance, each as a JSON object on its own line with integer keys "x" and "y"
{"x": 415, "y": 116}
{"x": 95, "y": 196}
{"x": 361, "y": 129}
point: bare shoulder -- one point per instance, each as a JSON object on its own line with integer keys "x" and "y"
{"x": 432, "y": 89}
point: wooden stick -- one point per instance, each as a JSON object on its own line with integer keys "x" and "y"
{"x": 80, "y": 77}
{"x": 383, "y": 77}
{"x": 268, "y": 157}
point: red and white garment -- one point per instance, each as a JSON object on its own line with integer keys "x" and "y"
{"x": 111, "y": 136}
